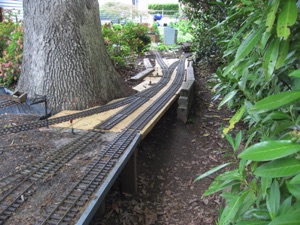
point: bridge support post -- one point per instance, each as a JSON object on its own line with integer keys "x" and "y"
{"x": 129, "y": 175}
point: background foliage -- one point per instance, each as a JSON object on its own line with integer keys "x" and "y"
{"x": 125, "y": 42}
{"x": 11, "y": 49}
{"x": 168, "y": 9}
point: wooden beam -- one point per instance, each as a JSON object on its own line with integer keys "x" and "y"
{"x": 129, "y": 175}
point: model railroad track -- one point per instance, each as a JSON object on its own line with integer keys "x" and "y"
{"x": 66, "y": 210}
{"x": 6, "y": 102}
{"x": 142, "y": 98}
{"x": 43, "y": 123}
{"x": 16, "y": 188}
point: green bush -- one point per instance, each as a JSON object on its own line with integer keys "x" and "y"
{"x": 168, "y": 9}
{"x": 11, "y": 49}
{"x": 260, "y": 79}
{"x": 123, "y": 42}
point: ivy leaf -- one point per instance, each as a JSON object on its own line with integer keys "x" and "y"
{"x": 287, "y": 18}
{"x": 270, "y": 150}
{"x": 249, "y": 43}
{"x": 276, "y": 101}
{"x": 272, "y": 15}
{"x": 279, "y": 168}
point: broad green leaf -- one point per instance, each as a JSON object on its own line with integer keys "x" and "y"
{"x": 248, "y": 201}
{"x": 296, "y": 179}
{"x": 296, "y": 73}
{"x": 270, "y": 58}
{"x": 285, "y": 206}
{"x": 276, "y": 116}
{"x": 231, "y": 210}
{"x": 265, "y": 184}
{"x": 270, "y": 150}
{"x": 291, "y": 218}
{"x": 242, "y": 165}
{"x": 287, "y": 18}
{"x": 273, "y": 200}
{"x": 230, "y": 140}
{"x": 272, "y": 15}
{"x": 283, "y": 52}
{"x": 276, "y": 101}
{"x": 227, "y": 98}
{"x": 229, "y": 68}
{"x": 279, "y": 168}
{"x": 252, "y": 222}
{"x": 249, "y": 43}
{"x": 294, "y": 189}
{"x": 241, "y": 30}
{"x": 238, "y": 139}
{"x": 213, "y": 170}
{"x": 264, "y": 40}
{"x": 236, "y": 118}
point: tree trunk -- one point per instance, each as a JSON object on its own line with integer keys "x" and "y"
{"x": 64, "y": 55}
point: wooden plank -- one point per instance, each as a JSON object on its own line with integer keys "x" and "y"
{"x": 147, "y": 63}
{"x": 142, "y": 74}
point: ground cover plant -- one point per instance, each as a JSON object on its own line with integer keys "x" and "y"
{"x": 259, "y": 79}
{"x": 11, "y": 48}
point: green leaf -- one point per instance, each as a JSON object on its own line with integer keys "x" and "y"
{"x": 287, "y": 18}
{"x": 291, "y": 218}
{"x": 283, "y": 52}
{"x": 270, "y": 58}
{"x": 231, "y": 210}
{"x": 252, "y": 222}
{"x": 276, "y": 116}
{"x": 296, "y": 73}
{"x": 236, "y": 118}
{"x": 265, "y": 184}
{"x": 279, "y": 168}
{"x": 285, "y": 206}
{"x": 273, "y": 200}
{"x": 228, "y": 97}
{"x": 249, "y": 43}
{"x": 296, "y": 179}
{"x": 269, "y": 150}
{"x": 294, "y": 189}
{"x": 272, "y": 15}
{"x": 276, "y": 101}
{"x": 213, "y": 170}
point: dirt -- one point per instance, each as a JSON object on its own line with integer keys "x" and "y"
{"x": 169, "y": 159}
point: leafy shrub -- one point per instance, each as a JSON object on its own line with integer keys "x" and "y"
{"x": 260, "y": 80}
{"x": 11, "y": 49}
{"x": 169, "y": 9}
{"x": 123, "y": 42}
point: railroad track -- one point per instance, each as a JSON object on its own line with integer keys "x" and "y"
{"x": 142, "y": 98}
{"x": 6, "y": 102}
{"x": 43, "y": 123}
{"x": 66, "y": 210}
{"x": 17, "y": 187}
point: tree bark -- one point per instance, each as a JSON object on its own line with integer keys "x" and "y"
{"x": 65, "y": 57}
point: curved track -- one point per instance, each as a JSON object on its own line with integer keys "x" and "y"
{"x": 17, "y": 187}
